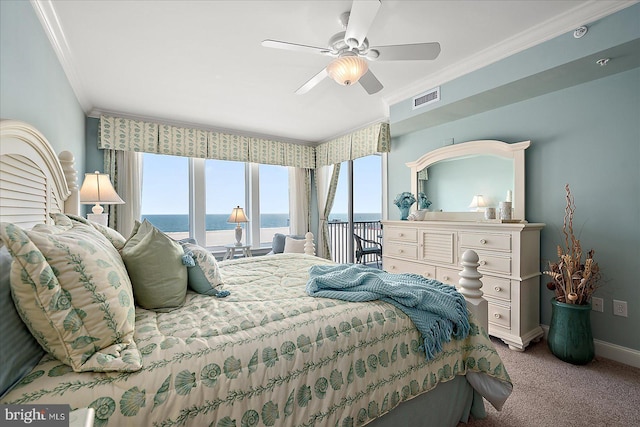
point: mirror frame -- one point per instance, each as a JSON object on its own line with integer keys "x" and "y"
{"x": 513, "y": 151}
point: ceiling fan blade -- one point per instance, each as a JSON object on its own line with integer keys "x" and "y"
{"x": 406, "y": 52}
{"x": 312, "y": 82}
{"x": 361, "y": 17}
{"x": 370, "y": 83}
{"x": 295, "y": 47}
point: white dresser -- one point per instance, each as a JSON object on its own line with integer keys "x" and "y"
{"x": 509, "y": 261}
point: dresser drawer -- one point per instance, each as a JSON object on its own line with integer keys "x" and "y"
{"x": 401, "y": 234}
{"x": 392, "y": 265}
{"x": 448, "y": 275}
{"x": 401, "y": 250}
{"x": 489, "y": 241}
{"x": 499, "y": 315}
{"x": 495, "y": 287}
{"x": 496, "y": 264}
{"x": 491, "y": 263}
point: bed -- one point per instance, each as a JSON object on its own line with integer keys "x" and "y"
{"x": 266, "y": 354}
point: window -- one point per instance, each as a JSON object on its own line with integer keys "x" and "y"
{"x": 274, "y": 202}
{"x": 187, "y": 197}
{"x": 366, "y": 187}
{"x": 165, "y": 196}
{"x": 225, "y": 189}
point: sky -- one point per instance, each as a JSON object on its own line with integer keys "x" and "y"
{"x": 166, "y": 186}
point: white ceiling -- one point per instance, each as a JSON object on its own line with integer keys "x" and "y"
{"x": 201, "y": 63}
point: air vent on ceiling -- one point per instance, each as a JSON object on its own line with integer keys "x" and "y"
{"x": 426, "y": 98}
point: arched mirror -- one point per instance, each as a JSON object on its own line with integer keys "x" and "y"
{"x": 451, "y": 176}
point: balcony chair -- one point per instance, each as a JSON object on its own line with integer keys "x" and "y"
{"x": 372, "y": 248}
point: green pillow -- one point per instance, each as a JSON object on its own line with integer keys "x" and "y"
{"x": 72, "y": 290}
{"x": 154, "y": 263}
{"x": 204, "y": 276}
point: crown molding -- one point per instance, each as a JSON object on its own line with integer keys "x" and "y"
{"x": 50, "y": 23}
{"x": 580, "y": 15}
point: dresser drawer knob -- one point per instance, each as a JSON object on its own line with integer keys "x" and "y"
{"x": 483, "y": 241}
{"x": 498, "y": 288}
{"x": 496, "y": 315}
{"x": 400, "y": 251}
{"x": 427, "y": 274}
{"x": 483, "y": 262}
{"x": 446, "y": 278}
{"x": 400, "y": 234}
{"x": 393, "y": 267}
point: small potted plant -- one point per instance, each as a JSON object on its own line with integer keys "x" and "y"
{"x": 574, "y": 279}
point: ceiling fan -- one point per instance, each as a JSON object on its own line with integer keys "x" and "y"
{"x": 351, "y": 50}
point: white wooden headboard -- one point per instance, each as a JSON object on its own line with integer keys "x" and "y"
{"x": 33, "y": 180}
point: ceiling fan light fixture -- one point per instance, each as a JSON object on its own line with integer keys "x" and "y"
{"x": 347, "y": 70}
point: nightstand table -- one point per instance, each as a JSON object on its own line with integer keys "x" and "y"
{"x": 231, "y": 251}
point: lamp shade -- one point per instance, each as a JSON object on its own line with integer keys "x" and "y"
{"x": 237, "y": 215}
{"x": 477, "y": 203}
{"x": 97, "y": 189}
{"x": 347, "y": 70}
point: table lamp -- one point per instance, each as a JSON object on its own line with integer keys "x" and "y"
{"x": 477, "y": 203}
{"x": 238, "y": 216}
{"x": 97, "y": 189}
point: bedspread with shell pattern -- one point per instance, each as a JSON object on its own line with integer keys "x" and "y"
{"x": 266, "y": 355}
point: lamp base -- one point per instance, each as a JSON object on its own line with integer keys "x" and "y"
{"x": 102, "y": 219}
{"x": 97, "y": 209}
{"x": 238, "y": 235}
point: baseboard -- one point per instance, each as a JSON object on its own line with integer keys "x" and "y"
{"x": 621, "y": 354}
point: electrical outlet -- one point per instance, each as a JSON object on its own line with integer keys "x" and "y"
{"x": 597, "y": 304}
{"x": 620, "y": 308}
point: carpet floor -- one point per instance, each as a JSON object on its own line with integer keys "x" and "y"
{"x": 550, "y": 392}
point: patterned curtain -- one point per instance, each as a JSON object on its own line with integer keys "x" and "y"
{"x": 339, "y": 150}
{"x": 370, "y": 140}
{"x": 135, "y": 135}
{"x": 125, "y": 170}
{"x": 117, "y": 133}
{"x": 128, "y": 135}
{"x": 363, "y": 142}
{"x": 266, "y": 152}
{"x": 187, "y": 142}
{"x": 302, "y": 156}
{"x": 326, "y": 184}
{"x": 225, "y": 146}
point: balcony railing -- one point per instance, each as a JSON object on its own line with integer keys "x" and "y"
{"x": 339, "y": 236}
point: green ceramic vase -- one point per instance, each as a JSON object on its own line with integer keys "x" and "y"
{"x": 404, "y": 212}
{"x": 570, "y": 338}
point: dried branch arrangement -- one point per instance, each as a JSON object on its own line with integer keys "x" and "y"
{"x": 572, "y": 280}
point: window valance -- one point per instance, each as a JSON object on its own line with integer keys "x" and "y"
{"x": 128, "y": 135}
{"x": 136, "y": 135}
{"x": 369, "y": 140}
{"x": 178, "y": 141}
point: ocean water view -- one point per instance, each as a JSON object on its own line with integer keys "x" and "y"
{"x": 220, "y": 233}
{"x": 180, "y": 223}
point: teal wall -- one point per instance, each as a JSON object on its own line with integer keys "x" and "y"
{"x": 94, "y": 156}
{"x": 586, "y": 135}
{"x": 33, "y": 85}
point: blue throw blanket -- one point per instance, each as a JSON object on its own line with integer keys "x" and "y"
{"x": 438, "y": 310}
